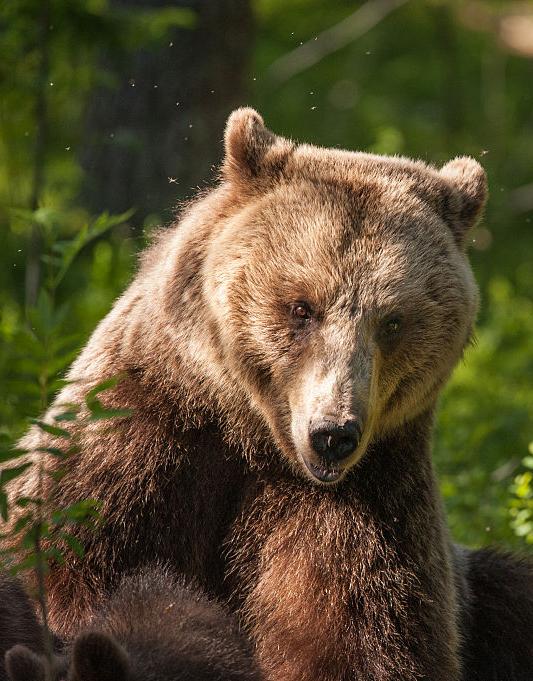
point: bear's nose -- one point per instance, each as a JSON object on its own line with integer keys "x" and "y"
{"x": 333, "y": 442}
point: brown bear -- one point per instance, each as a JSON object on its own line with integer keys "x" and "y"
{"x": 282, "y": 348}
{"x": 153, "y": 628}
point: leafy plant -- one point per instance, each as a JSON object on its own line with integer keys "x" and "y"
{"x": 42, "y": 533}
{"x": 485, "y": 420}
{"x": 521, "y": 502}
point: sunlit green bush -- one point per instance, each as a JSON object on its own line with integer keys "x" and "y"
{"x": 521, "y": 503}
{"x": 485, "y": 419}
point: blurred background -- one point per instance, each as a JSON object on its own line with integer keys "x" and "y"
{"x": 112, "y": 112}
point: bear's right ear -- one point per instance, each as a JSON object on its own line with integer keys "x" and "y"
{"x": 98, "y": 657}
{"x": 251, "y": 150}
{"x": 468, "y": 183}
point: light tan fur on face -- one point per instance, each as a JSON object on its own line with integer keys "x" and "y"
{"x": 359, "y": 237}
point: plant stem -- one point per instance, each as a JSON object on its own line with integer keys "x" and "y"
{"x": 40, "y": 565}
{"x": 41, "y": 593}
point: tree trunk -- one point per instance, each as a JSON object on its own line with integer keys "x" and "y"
{"x": 155, "y": 137}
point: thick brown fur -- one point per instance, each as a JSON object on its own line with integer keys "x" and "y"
{"x": 213, "y": 472}
{"x": 153, "y": 628}
{"x": 496, "y": 615}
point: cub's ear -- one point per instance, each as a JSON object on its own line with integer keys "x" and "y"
{"x": 468, "y": 183}
{"x": 98, "y": 657}
{"x": 251, "y": 150}
{"x": 24, "y": 665}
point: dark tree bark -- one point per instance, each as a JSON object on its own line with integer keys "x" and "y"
{"x": 156, "y": 136}
{"x": 33, "y": 259}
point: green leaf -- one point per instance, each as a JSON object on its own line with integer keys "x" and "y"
{"x": 54, "y": 451}
{"x": 87, "y": 234}
{"x": 66, "y": 416}
{"x": 81, "y": 510}
{"x": 98, "y": 411}
{"x": 8, "y": 474}
{"x": 152, "y": 26}
{"x": 58, "y": 474}
{"x": 23, "y": 214}
{"x": 24, "y": 502}
{"x": 29, "y": 562}
{"x": 52, "y": 430}
{"x": 40, "y": 529}
{"x": 66, "y": 343}
{"x": 54, "y": 553}
{"x": 75, "y": 545}
{"x": 4, "y": 512}
{"x": 22, "y": 523}
{"x": 101, "y": 387}
{"x": 53, "y": 260}
{"x": 11, "y": 454}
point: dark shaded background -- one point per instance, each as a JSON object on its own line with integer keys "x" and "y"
{"x": 107, "y": 106}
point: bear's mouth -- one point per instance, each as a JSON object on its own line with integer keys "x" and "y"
{"x": 324, "y": 473}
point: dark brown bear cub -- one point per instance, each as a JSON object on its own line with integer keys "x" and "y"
{"x": 283, "y": 347}
{"x": 152, "y": 629}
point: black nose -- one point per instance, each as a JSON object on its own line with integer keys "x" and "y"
{"x": 333, "y": 442}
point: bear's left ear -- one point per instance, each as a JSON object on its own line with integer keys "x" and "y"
{"x": 468, "y": 184}
{"x": 251, "y": 150}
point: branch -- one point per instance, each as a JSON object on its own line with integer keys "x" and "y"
{"x": 333, "y": 39}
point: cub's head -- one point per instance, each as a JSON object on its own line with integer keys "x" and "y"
{"x": 340, "y": 290}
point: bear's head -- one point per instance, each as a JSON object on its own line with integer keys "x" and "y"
{"x": 339, "y": 289}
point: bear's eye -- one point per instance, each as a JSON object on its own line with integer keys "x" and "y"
{"x": 301, "y": 311}
{"x": 390, "y": 329}
{"x": 392, "y": 326}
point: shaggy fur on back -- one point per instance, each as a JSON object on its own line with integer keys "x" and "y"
{"x": 170, "y": 632}
{"x": 310, "y": 285}
{"x": 152, "y": 629}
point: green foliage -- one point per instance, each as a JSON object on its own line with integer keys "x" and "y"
{"x": 37, "y": 347}
{"x": 40, "y": 529}
{"x": 521, "y": 503}
{"x": 485, "y": 419}
{"x": 40, "y": 533}
{"x": 37, "y": 352}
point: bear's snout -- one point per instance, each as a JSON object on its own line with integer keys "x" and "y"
{"x": 331, "y": 445}
{"x": 333, "y": 442}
